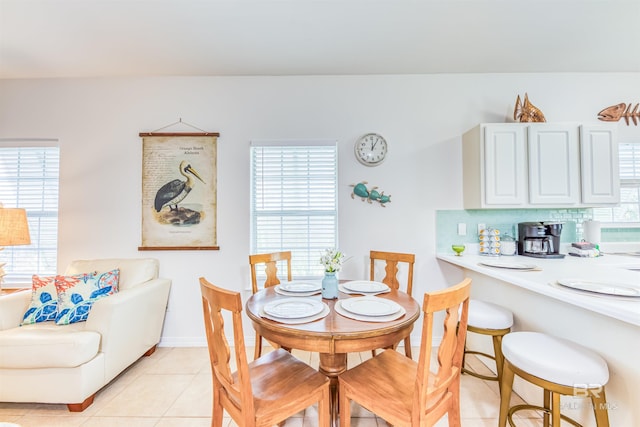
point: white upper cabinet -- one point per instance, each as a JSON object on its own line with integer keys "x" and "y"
{"x": 554, "y": 164}
{"x": 538, "y": 165}
{"x": 600, "y": 165}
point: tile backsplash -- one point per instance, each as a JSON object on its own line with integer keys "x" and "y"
{"x": 506, "y": 220}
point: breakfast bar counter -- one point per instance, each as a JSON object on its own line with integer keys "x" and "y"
{"x": 609, "y": 325}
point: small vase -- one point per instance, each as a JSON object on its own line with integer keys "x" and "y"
{"x": 330, "y": 285}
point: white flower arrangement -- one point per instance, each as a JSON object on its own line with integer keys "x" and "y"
{"x": 332, "y": 260}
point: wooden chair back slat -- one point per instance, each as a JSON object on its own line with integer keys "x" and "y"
{"x": 270, "y": 261}
{"x": 391, "y": 268}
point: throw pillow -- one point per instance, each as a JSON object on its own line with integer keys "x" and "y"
{"x": 77, "y": 294}
{"x": 44, "y": 300}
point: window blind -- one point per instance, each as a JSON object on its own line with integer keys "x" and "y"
{"x": 29, "y": 177}
{"x": 629, "y": 209}
{"x": 629, "y": 163}
{"x": 294, "y": 201}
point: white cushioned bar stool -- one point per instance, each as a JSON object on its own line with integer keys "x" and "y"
{"x": 486, "y": 318}
{"x": 560, "y": 367}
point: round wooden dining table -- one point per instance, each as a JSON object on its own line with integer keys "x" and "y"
{"x": 335, "y": 335}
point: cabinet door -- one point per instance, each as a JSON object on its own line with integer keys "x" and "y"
{"x": 505, "y": 165}
{"x": 599, "y": 165}
{"x": 554, "y": 162}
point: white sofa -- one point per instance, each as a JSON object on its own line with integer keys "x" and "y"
{"x": 68, "y": 364}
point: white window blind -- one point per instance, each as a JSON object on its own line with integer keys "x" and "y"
{"x": 29, "y": 179}
{"x": 294, "y": 201}
{"x": 629, "y": 209}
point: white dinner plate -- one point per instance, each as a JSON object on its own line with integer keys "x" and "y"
{"x": 598, "y": 287}
{"x": 365, "y": 286}
{"x": 293, "y": 308}
{"x": 370, "y": 306}
{"x": 509, "y": 265}
{"x": 301, "y": 286}
{"x": 344, "y": 290}
{"x": 379, "y": 319}
{"x": 325, "y": 312}
{"x": 296, "y": 294}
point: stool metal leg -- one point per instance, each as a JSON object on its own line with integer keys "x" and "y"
{"x": 600, "y": 409}
{"x": 497, "y": 351}
{"x": 547, "y": 406}
{"x": 496, "y": 335}
{"x": 505, "y": 393}
{"x": 555, "y": 409}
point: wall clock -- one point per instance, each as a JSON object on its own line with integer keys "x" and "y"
{"x": 371, "y": 149}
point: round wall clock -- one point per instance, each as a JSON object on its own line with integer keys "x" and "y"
{"x": 371, "y": 149}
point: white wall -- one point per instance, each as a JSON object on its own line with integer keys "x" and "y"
{"x": 422, "y": 117}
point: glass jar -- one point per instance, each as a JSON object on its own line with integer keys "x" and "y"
{"x": 330, "y": 285}
{"x": 508, "y": 246}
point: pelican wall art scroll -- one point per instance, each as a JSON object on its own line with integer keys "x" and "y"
{"x": 526, "y": 111}
{"x": 174, "y": 192}
{"x": 618, "y": 111}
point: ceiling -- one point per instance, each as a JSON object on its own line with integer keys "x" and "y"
{"x": 95, "y": 38}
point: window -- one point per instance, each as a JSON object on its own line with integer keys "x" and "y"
{"x": 629, "y": 209}
{"x": 294, "y": 201}
{"x": 29, "y": 179}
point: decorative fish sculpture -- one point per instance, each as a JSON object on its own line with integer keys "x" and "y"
{"x": 526, "y": 111}
{"x": 618, "y": 111}
{"x": 360, "y": 190}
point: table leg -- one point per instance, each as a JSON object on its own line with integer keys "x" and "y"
{"x": 333, "y": 365}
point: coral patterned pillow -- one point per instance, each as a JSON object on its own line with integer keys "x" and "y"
{"x": 44, "y": 300}
{"x": 76, "y": 294}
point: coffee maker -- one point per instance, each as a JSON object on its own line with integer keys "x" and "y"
{"x": 539, "y": 239}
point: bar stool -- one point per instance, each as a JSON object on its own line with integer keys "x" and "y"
{"x": 486, "y": 318}
{"x": 560, "y": 367}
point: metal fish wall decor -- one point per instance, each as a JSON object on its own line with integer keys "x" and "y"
{"x": 360, "y": 190}
{"x": 618, "y": 111}
{"x": 526, "y": 111}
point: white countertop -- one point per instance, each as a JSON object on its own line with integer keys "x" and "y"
{"x": 607, "y": 268}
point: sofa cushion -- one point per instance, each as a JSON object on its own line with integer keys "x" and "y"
{"x": 44, "y": 300}
{"x": 76, "y": 294}
{"x": 133, "y": 271}
{"x": 46, "y": 345}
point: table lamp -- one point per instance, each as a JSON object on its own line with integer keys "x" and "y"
{"x": 14, "y": 230}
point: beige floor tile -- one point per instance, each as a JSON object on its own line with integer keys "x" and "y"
{"x": 9, "y": 410}
{"x": 196, "y": 400}
{"x": 60, "y": 421}
{"x": 9, "y": 419}
{"x": 367, "y": 422}
{"x": 188, "y": 422}
{"x": 477, "y": 399}
{"x": 358, "y": 411}
{"x": 150, "y": 395}
{"x": 187, "y": 360}
{"x": 121, "y": 422}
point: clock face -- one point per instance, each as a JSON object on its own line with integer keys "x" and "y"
{"x": 371, "y": 149}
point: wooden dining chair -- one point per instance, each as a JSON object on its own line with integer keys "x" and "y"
{"x": 390, "y": 279}
{"x": 266, "y": 391}
{"x": 404, "y": 392}
{"x": 270, "y": 261}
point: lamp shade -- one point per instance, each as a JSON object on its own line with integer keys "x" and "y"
{"x": 14, "y": 228}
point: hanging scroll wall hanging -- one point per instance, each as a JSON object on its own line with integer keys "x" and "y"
{"x": 179, "y": 187}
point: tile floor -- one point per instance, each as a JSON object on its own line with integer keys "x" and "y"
{"x": 172, "y": 388}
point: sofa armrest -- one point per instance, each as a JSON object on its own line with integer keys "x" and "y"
{"x": 12, "y": 308}
{"x": 130, "y": 323}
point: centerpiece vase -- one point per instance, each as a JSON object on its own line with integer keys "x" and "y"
{"x": 330, "y": 285}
